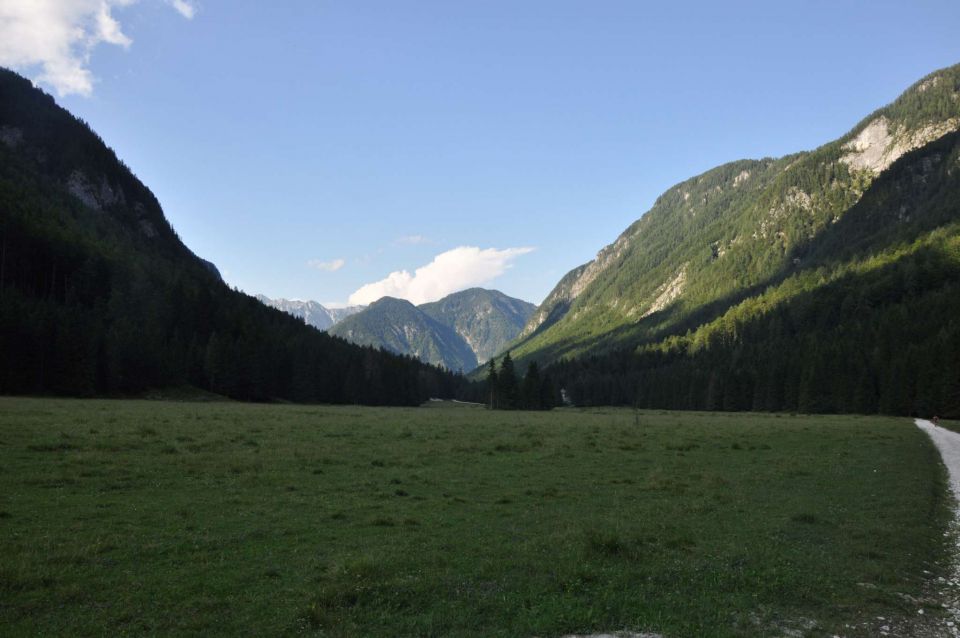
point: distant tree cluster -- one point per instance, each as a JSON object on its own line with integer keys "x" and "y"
{"x": 506, "y": 392}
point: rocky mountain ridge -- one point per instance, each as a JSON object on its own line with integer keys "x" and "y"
{"x": 313, "y": 313}
{"x": 459, "y": 332}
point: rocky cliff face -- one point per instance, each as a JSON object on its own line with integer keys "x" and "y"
{"x": 882, "y": 142}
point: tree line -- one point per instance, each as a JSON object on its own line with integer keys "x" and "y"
{"x": 84, "y": 325}
{"x": 885, "y": 341}
{"x": 504, "y": 391}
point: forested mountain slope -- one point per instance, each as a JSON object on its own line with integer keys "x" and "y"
{"x": 399, "y": 326}
{"x": 486, "y": 319}
{"x": 98, "y": 295}
{"x": 711, "y": 241}
{"x": 459, "y": 332}
{"x": 824, "y": 281}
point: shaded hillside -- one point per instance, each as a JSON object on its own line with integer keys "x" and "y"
{"x": 99, "y": 296}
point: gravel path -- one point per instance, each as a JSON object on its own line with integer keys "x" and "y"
{"x": 948, "y": 589}
{"x": 948, "y": 442}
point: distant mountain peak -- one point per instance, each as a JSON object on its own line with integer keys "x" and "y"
{"x": 391, "y": 301}
{"x": 311, "y": 312}
{"x": 487, "y": 320}
{"x": 459, "y": 332}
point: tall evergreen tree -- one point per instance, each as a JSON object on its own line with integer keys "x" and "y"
{"x": 530, "y": 388}
{"x": 507, "y": 387}
{"x": 492, "y": 384}
{"x": 548, "y": 394}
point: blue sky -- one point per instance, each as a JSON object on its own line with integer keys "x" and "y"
{"x": 310, "y": 149}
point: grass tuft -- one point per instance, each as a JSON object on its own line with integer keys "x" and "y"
{"x": 52, "y": 447}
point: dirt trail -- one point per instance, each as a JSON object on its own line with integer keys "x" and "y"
{"x": 947, "y": 589}
{"x": 948, "y": 442}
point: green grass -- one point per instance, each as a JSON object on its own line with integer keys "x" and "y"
{"x": 139, "y": 517}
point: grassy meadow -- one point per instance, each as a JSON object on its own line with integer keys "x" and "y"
{"x": 154, "y": 517}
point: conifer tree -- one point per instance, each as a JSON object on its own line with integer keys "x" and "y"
{"x": 507, "y": 384}
{"x": 530, "y": 388}
{"x": 548, "y": 394}
{"x": 492, "y": 384}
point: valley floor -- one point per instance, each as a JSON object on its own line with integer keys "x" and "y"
{"x": 152, "y": 517}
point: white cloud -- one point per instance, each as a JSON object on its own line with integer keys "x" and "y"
{"x": 449, "y": 272}
{"x": 184, "y": 8}
{"x": 329, "y": 266}
{"x": 57, "y": 37}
